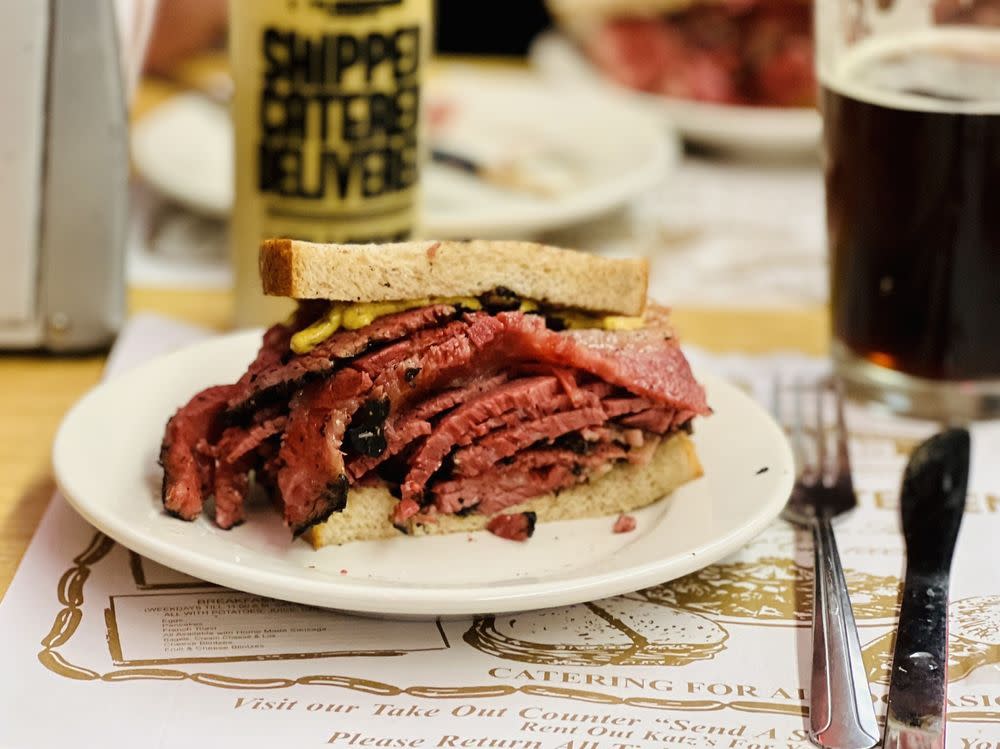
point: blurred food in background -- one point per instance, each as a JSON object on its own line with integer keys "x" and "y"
{"x": 971, "y": 12}
{"x": 744, "y": 52}
{"x": 182, "y": 29}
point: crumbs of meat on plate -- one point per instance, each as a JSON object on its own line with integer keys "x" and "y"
{"x": 764, "y": 469}
{"x": 518, "y": 526}
{"x": 624, "y": 524}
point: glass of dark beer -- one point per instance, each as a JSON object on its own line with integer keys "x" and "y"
{"x": 911, "y": 143}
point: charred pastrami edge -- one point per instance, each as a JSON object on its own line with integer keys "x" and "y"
{"x": 334, "y": 500}
{"x": 366, "y": 431}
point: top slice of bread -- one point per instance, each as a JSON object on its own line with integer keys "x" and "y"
{"x": 410, "y": 270}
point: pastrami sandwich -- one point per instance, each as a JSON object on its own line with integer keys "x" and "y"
{"x": 437, "y": 387}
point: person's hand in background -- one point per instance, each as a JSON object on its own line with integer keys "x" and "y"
{"x": 182, "y": 28}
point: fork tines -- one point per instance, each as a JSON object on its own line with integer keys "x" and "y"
{"x": 813, "y": 411}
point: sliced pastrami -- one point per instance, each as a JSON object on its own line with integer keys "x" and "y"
{"x": 237, "y": 441}
{"x": 618, "y": 406}
{"x": 281, "y": 378}
{"x": 232, "y": 482}
{"x": 402, "y": 429}
{"x": 187, "y": 470}
{"x": 235, "y": 456}
{"x": 266, "y": 469}
{"x": 519, "y": 526}
{"x": 657, "y": 420}
{"x": 491, "y": 449}
{"x": 312, "y": 479}
{"x": 530, "y": 474}
{"x": 407, "y": 348}
{"x": 624, "y": 524}
{"x": 473, "y": 348}
{"x": 471, "y": 420}
{"x": 645, "y": 362}
{"x": 682, "y": 420}
{"x": 397, "y": 438}
{"x": 417, "y": 396}
{"x": 437, "y": 404}
{"x": 588, "y": 437}
{"x": 273, "y": 349}
{"x": 578, "y": 386}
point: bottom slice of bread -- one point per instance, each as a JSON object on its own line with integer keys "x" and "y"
{"x": 624, "y": 488}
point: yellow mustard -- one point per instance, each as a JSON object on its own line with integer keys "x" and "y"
{"x": 622, "y": 322}
{"x": 309, "y": 338}
{"x": 352, "y": 316}
{"x": 574, "y": 320}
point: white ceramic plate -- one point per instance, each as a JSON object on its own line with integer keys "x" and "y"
{"x": 773, "y": 130}
{"x": 105, "y": 464}
{"x": 573, "y": 141}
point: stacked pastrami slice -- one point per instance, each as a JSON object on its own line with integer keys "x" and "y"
{"x": 453, "y": 412}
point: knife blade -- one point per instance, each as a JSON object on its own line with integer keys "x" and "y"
{"x": 932, "y": 500}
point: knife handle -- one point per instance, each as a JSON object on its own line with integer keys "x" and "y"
{"x": 841, "y": 712}
{"x": 918, "y": 688}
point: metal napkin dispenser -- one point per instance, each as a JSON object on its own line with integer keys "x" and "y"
{"x": 63, "y": 175}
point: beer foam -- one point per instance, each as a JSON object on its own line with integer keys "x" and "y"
{"x": 945, "y": 69}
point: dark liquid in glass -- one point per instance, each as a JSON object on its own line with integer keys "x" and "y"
{"x": 913, "y": 212}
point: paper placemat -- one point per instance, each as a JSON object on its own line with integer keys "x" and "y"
{"x": 103, "y": 647}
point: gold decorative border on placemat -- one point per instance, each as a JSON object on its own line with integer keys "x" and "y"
{"x": 135, "y": 565}
{"x": 70, "y": 596}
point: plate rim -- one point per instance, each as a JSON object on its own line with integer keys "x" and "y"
{"x": 661, "y": 161}
{"x": 360, "y": 596}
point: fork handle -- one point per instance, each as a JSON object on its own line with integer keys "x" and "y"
{"x": 841, "y": 712}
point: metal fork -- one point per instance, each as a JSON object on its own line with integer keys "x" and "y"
{"x": 841, "y": 713}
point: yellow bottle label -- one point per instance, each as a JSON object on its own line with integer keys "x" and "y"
{"x": 326, "y": 109}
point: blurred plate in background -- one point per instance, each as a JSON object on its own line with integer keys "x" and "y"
{"x": 577, "y": 154}
{"x": 740, "y": 129}
{"x": 520, "y": 156}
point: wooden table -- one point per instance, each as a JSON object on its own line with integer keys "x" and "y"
{"x": 35, "y": 391}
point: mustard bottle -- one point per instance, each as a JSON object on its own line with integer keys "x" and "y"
{"x": 326, "y": 111}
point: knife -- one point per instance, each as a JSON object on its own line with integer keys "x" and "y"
{"x": 506, "y": 175}
{"x": 931, "y": 501}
